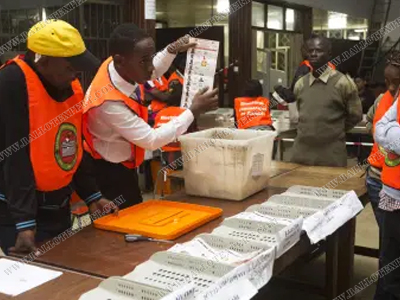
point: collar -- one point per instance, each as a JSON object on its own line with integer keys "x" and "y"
{"x": 125, "y": 87}
{"x": 324, "y": 77}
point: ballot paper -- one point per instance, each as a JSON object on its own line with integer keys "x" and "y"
{"x": 199, "y": 248}
{"x": 200, "y": 69}
{"x": 243, "y": 282}
{"x": 17, "y": 278}
{"x": 256, "y": 216}
{"x": 327, "y": 221}
{"x": 185, "y": 293}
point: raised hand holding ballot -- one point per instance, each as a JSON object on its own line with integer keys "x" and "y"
{"x": 204, "y": 101}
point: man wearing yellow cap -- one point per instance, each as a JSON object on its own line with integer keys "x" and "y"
{"x": 41, "y": 158}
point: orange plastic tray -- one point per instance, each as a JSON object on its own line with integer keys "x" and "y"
{"x": 159, "y": 219}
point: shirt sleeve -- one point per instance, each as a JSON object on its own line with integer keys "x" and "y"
{"x": 19, "y": 180}
{"x": 387, "y": 131}
{"x": 371, "y": 114}
{"x": 162, "y": 62}
{"x": 352, "y": 102}
{"x": 85, "y": 180}
{"x": 135, "y": 130}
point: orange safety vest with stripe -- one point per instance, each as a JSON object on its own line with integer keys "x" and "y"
{"x": 390, "y": 175}
{"x": 162, "y": 87}
{"x": 308, "y": 64}
{"x": 102, "y": 90}
{"x": 55, "y": 131}
{"x": 251, "y": 112}
{"x": 377, "y": 156}
{"x": 165, "y": 116}
{"x": 175, "y": 76}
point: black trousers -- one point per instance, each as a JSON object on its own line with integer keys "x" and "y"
{"x": 49, "y": 224}
{"x": 116, "y": 180}
{"x": 390, "y": 254}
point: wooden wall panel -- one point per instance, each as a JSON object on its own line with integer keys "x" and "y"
{"x": 240, "y": 40}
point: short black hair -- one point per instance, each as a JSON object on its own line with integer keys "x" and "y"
{"x": 323, "y": 38}
{"x": 253, "y": 88}
{"x": 125, "y": 37}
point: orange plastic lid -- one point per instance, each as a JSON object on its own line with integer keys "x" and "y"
{"x": 159, "y": 219}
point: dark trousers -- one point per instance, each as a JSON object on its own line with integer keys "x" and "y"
{"x": 374, "y": 187}
{"x": 49, "y": 224}
{"x": 390, "y": 254}
{"x": 116, "y": 180}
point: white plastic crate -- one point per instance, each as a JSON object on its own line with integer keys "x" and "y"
{"x": 171, "y": 271}
{"x": 282, "y": 212}
{"x": 118, "y": 288}
{"x": 222, "y": 242}
{"x": 228, "y": 164}
{"x": 316, "y": 192}
{"x": 301, "y": 201}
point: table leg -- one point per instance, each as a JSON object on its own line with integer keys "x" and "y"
{"x": 331, "y": 276}
{"x": 347, "y": 235}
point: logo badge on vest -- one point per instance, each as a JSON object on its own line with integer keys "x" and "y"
{"x": 66, "y": 146}
{"x": 392, "y": 159}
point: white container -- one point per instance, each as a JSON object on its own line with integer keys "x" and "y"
{"x": 227, "y": 163}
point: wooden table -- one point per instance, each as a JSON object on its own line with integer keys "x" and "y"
{"x": 69, "y": 286}
{"x": 106, "y": 254}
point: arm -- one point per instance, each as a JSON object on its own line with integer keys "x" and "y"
{"x": 135, "y": 130}
{"x": 387, "y": 131}
{"x": 85, "y": 181}
{"x": 163, "y": 61}
{"x": 352, "y": 102}
{"x": 371, "y": 114}
{"x": 19, "y": 179}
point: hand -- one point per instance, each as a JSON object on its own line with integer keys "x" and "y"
{"x": 204, "y": 101}
{"x": 25, "y": 243}
{"x": 103, "y": 207}
{"x": 181, "y": 45}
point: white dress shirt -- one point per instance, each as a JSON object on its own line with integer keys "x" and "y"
{"x": 114, "y": 126}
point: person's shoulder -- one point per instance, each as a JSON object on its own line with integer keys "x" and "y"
{"x": 10, "y": 72}
{"x": 345, "y": 81}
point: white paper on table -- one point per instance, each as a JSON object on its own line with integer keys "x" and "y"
{"x": 185, "y": 293}
{"x": 289, "y": 236}
{"x": 17, "y": 278}
{"x": 199, "y": 248}
{"x": 150, "y": 10}
{"x": 233, "y": 286}
{"x": 327, "y": 221}
{"x": 259, "y": 269}
{"x": 200, "y": 69}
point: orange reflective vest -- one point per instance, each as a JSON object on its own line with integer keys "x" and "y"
{"x": 391, "y": 170}
{"x": 251, "y": 112}
{"x": 377, "y": 156}
{"x": 165, "y": 116}
{"x": 102, "y": 90}
{"x": 55, "y": 132}
{"x": 307, "y": 63}
{"x": 162, "y": 86}
{"x": 175, "y": 76}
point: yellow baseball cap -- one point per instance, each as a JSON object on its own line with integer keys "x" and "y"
{"x": 57, "y": 38}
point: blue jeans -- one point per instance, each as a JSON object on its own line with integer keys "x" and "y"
{"x": 374, "y": 187}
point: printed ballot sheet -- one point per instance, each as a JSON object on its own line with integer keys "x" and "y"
{"x": 201, "y": 65}
{"x": 17, "y": 278}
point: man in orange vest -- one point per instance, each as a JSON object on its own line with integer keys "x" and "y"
{"x": 377, "y": 156}
{"x": 252, "y": 111}
{"x": 42, "y": 159}
{"x": 115, "y": 116}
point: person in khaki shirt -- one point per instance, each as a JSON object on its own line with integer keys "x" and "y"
{"x": 328, "y": 106}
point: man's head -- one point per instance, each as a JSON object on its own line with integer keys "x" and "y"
{"x": 361, "y": 82}
{"x": 59, "y": 52}
{"x": 253, "y": 88}
{"x": 132, "y": 50}
{"x": 392, "y": 72}
{"x": 319, "y": 51}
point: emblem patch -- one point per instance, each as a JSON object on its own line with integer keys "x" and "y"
{"x": 66, "y": 146}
